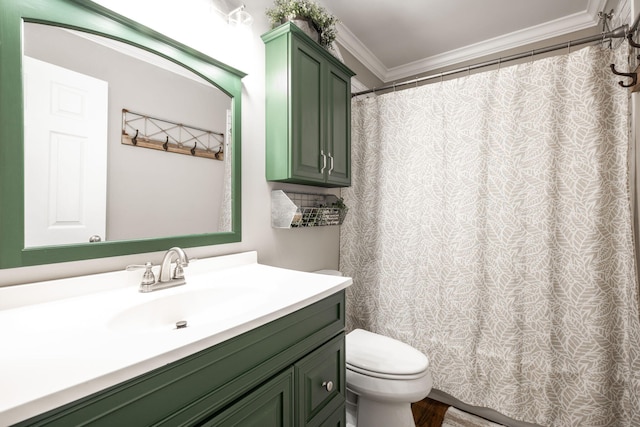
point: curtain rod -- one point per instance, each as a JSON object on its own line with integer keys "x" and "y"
{"x": 619, "y": 32}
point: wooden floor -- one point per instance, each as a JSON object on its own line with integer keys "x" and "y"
{"x": 428, "y": 413}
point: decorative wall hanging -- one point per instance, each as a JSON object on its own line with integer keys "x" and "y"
{"x": 141, "y": 130}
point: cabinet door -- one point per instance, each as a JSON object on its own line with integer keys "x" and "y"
{"x": 338, "y": 127}
{"x": 320, "y": 383}
{"x": 268, "y": 406}
{"x": 337, "y": 419}
{"x": 307, "y": 115}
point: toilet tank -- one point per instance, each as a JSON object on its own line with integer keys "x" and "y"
{"x": 329, "y": 272}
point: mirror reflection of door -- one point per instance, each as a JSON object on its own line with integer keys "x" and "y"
{"x": 65, "y": 145}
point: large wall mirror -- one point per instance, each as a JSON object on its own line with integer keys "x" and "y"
{"x": 114, "y": 139}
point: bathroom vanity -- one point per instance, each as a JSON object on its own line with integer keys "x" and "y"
{"x": 262, "y": 346}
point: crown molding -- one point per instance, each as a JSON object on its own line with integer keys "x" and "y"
{"x": 558, "y": 27}
{"x": 351, "y": 43}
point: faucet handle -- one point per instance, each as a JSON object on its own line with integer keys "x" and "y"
{"x": 148, "y": 277}
{"x": 178, "y": 272}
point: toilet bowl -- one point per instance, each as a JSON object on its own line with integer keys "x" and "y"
{"x": 384, "y": 376}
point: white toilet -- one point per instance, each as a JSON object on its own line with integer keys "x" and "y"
{"x": 384, "y": 376}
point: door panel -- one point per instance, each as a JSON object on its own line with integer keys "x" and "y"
{"x": 268, "y": 406}
{"x": 307, "y": 114}
{"x": 320, "y": 383}
{"x": 339, "y": 116}
{"x": 66, "y": 148}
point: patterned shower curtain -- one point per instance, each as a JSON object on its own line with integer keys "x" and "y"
{"x": 489, "y": 226}
{"x": 226, "y": 213}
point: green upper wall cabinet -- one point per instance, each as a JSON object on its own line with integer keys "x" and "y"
{"x": 308, "y": 111}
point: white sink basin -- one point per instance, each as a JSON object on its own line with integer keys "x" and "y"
{"x": 197, "y": 307}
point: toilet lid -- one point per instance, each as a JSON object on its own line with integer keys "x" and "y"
{"x": 379, "y": 354}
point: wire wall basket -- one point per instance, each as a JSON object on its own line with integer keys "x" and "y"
{"x": 294, "y": 210}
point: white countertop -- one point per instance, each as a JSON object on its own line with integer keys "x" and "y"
{"x": 59, "y": 348}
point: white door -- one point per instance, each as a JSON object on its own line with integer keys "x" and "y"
{"x": 65, "y": 148}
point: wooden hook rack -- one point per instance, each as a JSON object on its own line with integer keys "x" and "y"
{"x": 141, "y": 130}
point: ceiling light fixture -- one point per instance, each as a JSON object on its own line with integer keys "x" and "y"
{"x": 240, "y": 17}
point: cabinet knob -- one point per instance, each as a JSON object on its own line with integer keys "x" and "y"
{"x": 327, "y": 385}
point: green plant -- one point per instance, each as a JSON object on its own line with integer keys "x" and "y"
{"x": 339, "y": 204}
{"x": 324, "y": 22}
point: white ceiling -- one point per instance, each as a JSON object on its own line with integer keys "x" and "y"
{"x": 396, "y": 39}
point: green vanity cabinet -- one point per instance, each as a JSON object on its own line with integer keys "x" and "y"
{"x": 269, "y": 405}
{"x": 308, "y": 111}
{"x": 318, "y": 398}
{"x": 318, "y": 395}
{"x": 273, "y": 375}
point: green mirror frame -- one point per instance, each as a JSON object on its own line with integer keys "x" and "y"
{"x": 92, "y": 18}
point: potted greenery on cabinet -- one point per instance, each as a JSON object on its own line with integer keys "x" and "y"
{"x": 307, "y": 15}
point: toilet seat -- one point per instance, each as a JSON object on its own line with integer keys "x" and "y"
{"x": 383, "y": 357}
{"x": 382, "y": 375}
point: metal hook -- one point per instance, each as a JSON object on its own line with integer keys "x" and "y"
{"x": 632, "y": 76}
{"x": 220, "y": 151}
{"x": 631, "y": 42}
{"x": 193, "y": 150}
{"x": 166, "y": 144}
{"x": 135, "y": 138}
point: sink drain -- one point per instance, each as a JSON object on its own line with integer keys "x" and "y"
{"x": 181, "y": 324}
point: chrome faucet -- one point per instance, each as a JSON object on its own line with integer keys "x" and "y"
{"x": 166, "y": 279}
{"x": 178, "y": 272}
